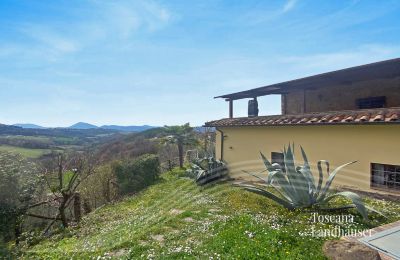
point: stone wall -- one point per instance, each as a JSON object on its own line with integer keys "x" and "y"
{"x": 342, "y": 97}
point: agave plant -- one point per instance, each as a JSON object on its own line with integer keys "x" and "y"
{"x": 296, "y": 186}
{"x": 206, "y": 170}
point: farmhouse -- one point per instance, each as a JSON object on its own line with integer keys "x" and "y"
{"x": 340, "y": 116}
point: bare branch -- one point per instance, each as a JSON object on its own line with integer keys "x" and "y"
{"x": 48, "y": 184}
{"x": 51, "y": 223}
{"x": 39, "y": 204}
{"x": 42, "y": 217}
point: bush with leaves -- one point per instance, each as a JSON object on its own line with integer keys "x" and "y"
{"x": 99, "y": 188}
{"x": 20, "y": 183}
{"x": 206, "y": 170}
{"x": 132, "y": 176}
{"x": 296, "y": 187}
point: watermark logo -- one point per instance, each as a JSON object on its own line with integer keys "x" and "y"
{"x": 335, "y": 226}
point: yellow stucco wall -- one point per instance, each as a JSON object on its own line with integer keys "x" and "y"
{"x": 336, "y": 143}
{"x": 342, "y": 97}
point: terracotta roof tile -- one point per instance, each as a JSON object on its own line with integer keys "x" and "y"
{"x": 365, "y": 116}
{"x": 376, "y": 118}
{"x": 392, "y": 118}
{"x": 362, "y": 118}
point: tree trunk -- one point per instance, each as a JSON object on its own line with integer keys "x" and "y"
{"x": 77, "y": 207}
{"x": 169, "y": 165}
{"x": 86, "y": 206}
{"x": 107, "y": 191}
{"x": 180, "y": 154}
{"x": 61, "y": 209}
{"x": 17, "y": 229}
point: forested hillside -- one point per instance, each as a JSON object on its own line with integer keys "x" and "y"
{"x": 56, "y": 180}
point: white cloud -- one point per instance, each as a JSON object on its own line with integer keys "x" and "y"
{"x": 289, "y": 5}
{"x": 124, "y": 18}
{"x": 50, "y": 39}
{"x": 264, "y": 15}
{"x": 104, "y": 22}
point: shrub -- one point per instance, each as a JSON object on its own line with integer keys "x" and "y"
{"x": 206, "y": 170}
{"x": 133, "y": 176}
{"x": 99, "y": 188}
{"x": 19, "y": 186}
{"x": 298, "y": 189}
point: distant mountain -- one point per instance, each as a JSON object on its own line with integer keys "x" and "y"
{"x": 33, "y": 126}
{"x": 132, "y": 128}
{"x": 202, "y": 129}
{"x": 83, "y": 125}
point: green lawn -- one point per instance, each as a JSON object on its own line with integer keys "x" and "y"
{"x": 26, "y": 152}
{"x": 175, "y": 219}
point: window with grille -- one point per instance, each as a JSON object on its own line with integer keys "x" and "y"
{"x": 279, "y": 159}
{"x": 385, "y": 176}
{"x": 371, "y": 102}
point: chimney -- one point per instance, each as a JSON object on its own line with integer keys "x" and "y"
{"x": 253, "y": 108}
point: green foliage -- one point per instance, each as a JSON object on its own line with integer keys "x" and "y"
{"x": 206, "y": 170}
{"x": 297, "y": 187}
{"x": 25, "y": 152}
{"x": 4, "y": 251}
{"x": 181, "y": 135}
{"x": 34, "y": 142}
{"x": 40, "y": 141}
{"x": 19, "y": 183}
{"x": 133, "y": 176}
{"x": 178, "y": 172}
{"x": 98, "y": 189}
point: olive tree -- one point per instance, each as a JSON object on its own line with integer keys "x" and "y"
{"x": 181, "y": 136}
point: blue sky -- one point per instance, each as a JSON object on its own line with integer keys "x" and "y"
{"x": 162, "y": 62}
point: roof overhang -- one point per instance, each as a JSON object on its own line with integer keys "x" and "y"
{"x": 346, "y": 117}
{"x": 378, "y": 70}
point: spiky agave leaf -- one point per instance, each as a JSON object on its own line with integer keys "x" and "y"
{"x": 214, "y": 170}
{"x": 282, "y": 193}
{"x": 325, "y": 190}
{"x": 256, "y": 176}
{"x": 321, "y": 175}
{"x": 267, "y": 163}
{"x": 279, "y": 178}
{"x": 307, "y": 184}
{"x": 270, "y": 195}
{"x": 296, "y": 179}
{"x": 289, "y": 170}
{"x": 271, "y": 184}
{"x": 307, "y": 170}
{"x": 297, "y": 186}
{"x": 270, "y": 167}
{"x": 355, "y": 198}
{"x": 375, "y": 211}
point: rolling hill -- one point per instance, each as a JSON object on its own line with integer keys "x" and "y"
{"x": 30, "y": 126}
{"x": 86, "y": 126}
{"x": 83, "y": 125}
{"x": 133, "y": 128}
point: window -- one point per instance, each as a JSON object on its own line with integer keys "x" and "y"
{"x": 371, "y": 102}
{"x": 385, "y": 176}
{"x": 278, "y": 158}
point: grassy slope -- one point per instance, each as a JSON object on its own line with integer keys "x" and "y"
{"x": 175, "y": 219}
{"x": 26, "y": 152}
